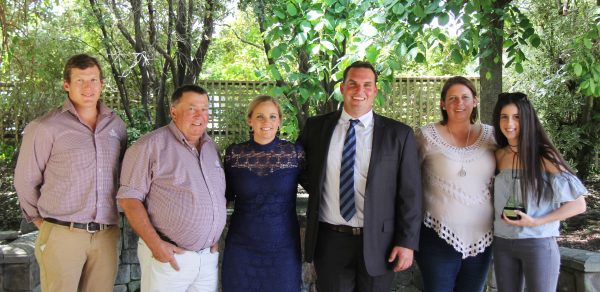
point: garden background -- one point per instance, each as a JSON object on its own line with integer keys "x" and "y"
{"x": 296, "y": 50}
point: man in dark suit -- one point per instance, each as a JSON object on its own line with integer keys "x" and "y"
{"x": 363, "y": 177}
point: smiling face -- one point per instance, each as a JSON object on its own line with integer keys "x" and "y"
{"x": 190, "y": 115}
{"x": 459, "y": 103}
{"x": 510, "y": 123}
{"x": 359, "y": 90}
{"x": 84, "y": 87}
{"x": 264, "y": 121}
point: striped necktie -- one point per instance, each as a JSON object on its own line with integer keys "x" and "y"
{"x": 347, "y": 207}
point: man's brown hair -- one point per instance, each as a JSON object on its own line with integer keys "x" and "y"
{"x": 81, "y": 61}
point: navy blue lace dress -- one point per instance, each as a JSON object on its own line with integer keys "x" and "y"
{"x": 262, "y": 249}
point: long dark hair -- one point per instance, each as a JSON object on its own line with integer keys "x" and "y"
{"x": 534, "y": 145}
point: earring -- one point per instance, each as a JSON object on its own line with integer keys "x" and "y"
{"x": 251, "y": 132}
{"x": 444, "y": 108}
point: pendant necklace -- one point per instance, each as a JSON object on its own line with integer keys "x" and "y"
{"x": 462, "y": 172}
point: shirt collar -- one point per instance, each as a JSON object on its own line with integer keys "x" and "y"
{"x": 180, "y": 137}
{"x": 366, "y": 120}
{"x": 103, "y": 110}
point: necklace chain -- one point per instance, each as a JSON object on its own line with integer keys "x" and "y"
{"x": 462, "y": 172}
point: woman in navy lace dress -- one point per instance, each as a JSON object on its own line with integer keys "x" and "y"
{"x": 262, "y": 249}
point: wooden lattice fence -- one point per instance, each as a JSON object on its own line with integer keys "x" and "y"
{"x": 413, "y": 100}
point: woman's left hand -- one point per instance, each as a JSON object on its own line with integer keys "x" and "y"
{"x": 525, "y": 221}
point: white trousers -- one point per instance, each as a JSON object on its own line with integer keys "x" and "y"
{"x": 198, "y": 271}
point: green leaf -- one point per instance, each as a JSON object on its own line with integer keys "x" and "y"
{"x": 418, "y": 11}
{"x": 443, "y": 19}
{"x": 488, "y": 75}
{"x": 577, "y": 69}
{"x": 420, "y": 58}
{"x": 291, "y": 9}
{"x": 519, "y": 68}
{"x": 276, "y": 52}
{"x": 379, "y": 19}
{"x": 328, "y": 45}
{"x": 585, "y": 84}
{"x": 305, "y": 93}
{"x": 456, "y": 56}
{"x": 535, "y": 41}
{"x": 277, "y": 91}
{"x": 319, "y": 26}
{"x": 315, "y": 50}
{"x": 442, "y": 37}
{"x": 394, "y": 65}
{"x": 279, "y": 14}
{"x": 300, "y": 39}
{"x": 528, "y": 32}
{"x": 368, "y": 30}
{"x": 507, "y": 43}
{"x": 274, "y": 72}
{"x": 313, "y": 15}
{"x": 398, "y": 9}
{"x": 372, "y": 53}
{"x": 588, "y": 43}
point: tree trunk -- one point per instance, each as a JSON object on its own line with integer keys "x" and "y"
{"x": 489, "y": 67}
{"x": 143, "y": 58}
{"x": 208, "y": 27}
{"x": 117, "y": 75}
{"x": 586, "y": 156}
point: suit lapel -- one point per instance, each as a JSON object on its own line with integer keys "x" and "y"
{"x": 376, "y": 150}
{"x": 326, "y": 132}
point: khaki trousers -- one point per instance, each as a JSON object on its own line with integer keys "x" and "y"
{"x": 72, "y": 259}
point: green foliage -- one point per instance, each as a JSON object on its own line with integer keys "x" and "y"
{"x": 313, "y": 41}
{"x": 10, "y": 215}
{"x": 232, "y": 118}
{"x": 142, "y": 127}
{"x": 554, "y": 81}
{"x": 585, "y": 64}
{"x": 236, "y": 52}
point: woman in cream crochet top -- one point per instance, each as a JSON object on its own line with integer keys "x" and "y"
{"x": 457, "y": 165}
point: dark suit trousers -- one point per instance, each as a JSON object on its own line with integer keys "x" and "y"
{"x": 340, "y": 266}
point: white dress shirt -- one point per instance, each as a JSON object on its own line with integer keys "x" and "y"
{"x": 330, "y": 201}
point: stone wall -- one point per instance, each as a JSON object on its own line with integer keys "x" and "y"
{"x": 579, "y": 270}
{"x": 19, "y": 272}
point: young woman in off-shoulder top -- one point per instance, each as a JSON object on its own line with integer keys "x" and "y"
{"x": 534, "y": 189}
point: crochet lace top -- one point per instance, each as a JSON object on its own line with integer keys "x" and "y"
{"x": 458, "y": 207}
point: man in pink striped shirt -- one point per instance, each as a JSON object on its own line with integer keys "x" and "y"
{"x": 66, "y": 178}
{"x": 173, "y": 194}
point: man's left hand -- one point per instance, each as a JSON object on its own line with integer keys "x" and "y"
{"x": 214, "y": 248}
{"x": 403, "y": 257}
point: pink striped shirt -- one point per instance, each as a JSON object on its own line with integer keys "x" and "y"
{"x": 183, "y": 190}
{"x": 68, "y": 171}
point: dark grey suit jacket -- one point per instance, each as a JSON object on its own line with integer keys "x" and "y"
{"x": 393, "y": 199}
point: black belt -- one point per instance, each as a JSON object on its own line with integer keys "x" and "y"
{"x": 343, "y": 228}
{"x": 166, "y": 238}
{"x": 90, "y": 227}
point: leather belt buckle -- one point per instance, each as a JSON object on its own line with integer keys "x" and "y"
{"x": 92, "y": 227}
{"x": 356, "y": 231}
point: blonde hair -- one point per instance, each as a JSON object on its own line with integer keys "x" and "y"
{"x": 260, "y": 99}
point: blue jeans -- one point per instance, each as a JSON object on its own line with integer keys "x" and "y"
{"x": 443, "y": 268}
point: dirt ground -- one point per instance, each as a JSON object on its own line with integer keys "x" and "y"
{"x": 583, "y": 231}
